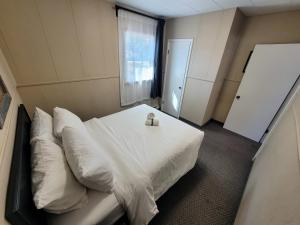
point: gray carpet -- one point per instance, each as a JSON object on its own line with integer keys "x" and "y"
{"x": 211, "y": 192}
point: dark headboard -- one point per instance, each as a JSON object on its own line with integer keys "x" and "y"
{"x": 20, "y": 209}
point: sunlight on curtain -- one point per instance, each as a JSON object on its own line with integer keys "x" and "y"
{"x": 136, "y": 55}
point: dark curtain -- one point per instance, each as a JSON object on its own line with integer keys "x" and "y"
{"x": 157, "y": 79}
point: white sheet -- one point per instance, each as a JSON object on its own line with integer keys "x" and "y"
{"x": 102, "y": 209}
{"x": 165, "y": 152}
{"x": 132, "y": 185}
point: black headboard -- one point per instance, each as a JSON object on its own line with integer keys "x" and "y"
{"x": 20, "y": 209}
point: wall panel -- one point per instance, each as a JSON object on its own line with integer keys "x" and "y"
{"x": 24, "y": 35}
{"x": 64, "y": 52}
{"x": 202, "y": 54}
{"x": 89, "y": 98}
{"x": 225, "y": 99}
{"x": 7, "y": 133}
{"x": 57, "y": 20}
{"x": 97, "y": 33}
{"x": 195, "y": 99}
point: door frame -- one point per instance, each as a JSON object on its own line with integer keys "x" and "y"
{"x": 185, "y": 73}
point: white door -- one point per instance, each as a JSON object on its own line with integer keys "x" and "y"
{"x": 271, "y": 73}
{"x": 178, "y": 56}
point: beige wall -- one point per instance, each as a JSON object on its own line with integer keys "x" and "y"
{"x": 209, "y": 33}
{"x": 63, "y": 52}
{"x": 215, "y": 38}
{"x": 7, "y": 133}
{"x": 272, "y": 194}
{"x": 265, "y": 29}
{"x": 229, "y": 51}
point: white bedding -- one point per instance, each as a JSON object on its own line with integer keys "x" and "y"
{"x": 102, "y": 209}
{"x": 164, "y": 153}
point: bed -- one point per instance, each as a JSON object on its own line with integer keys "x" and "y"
{"x": 167, "y": 152}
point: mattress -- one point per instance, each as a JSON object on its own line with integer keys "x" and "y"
{"x": 166, "y": 152}
{"x": 101, "y": 209}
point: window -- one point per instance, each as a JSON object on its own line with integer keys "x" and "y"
{"x": 137, "y": 42}
{"x": 139, "y": 56}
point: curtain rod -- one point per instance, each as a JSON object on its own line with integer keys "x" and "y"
{"x": 117, "y": 7}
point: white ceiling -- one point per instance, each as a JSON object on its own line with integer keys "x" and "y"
{"x": 177, "y": 8}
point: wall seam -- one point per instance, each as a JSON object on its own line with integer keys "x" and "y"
{"x": 66, "y": 81}
{"x": 197, "y": 78}
{"x": 10, "y": 56}
{"x": 46, "y": 39}
{"x": 77, "y": 37}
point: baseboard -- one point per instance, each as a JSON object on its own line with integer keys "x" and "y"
{"x": 200, "y": 127}
{"x": 190, "y": 123}
{"x": 218, "y": 122}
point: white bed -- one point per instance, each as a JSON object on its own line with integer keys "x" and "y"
{"x": 167, "y": 152}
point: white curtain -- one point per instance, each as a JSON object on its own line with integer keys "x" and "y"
{"x": 137, "y": 38}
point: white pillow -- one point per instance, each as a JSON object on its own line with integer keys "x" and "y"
{"x": 41, "y": 126}
{"x": 86, "y": 161}
{"x": 62, "y": 118}
{"x": 54, "y": 187}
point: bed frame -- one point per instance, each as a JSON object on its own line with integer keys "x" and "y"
{"x": 20, "y": 208}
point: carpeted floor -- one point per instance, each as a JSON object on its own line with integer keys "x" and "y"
{"x": 210, "y": 193}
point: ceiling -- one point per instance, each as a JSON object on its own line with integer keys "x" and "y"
{"x": 177, "y": 8}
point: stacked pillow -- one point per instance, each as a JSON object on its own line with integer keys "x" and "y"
{"x": 64, "y": 118}
{"x": 41, "y": 126}
{"x": 85, "y": 159}
{"x": 54, "y": 187}
{"x": 88, "y": 165}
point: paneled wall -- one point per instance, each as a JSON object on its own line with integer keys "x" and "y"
{"x": 7, "y": 133}
{"x": 63, "y": 52}
{"x": 266, "y": 29}
{"x": 272, "y": 193}
{"x": 215, "y": 38}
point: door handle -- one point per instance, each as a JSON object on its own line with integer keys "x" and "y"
{"x": 180, "y": 88}
{"x": 238, "y": 97}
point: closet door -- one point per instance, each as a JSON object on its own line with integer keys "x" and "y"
{"x": 271, "y": 73}
{"x": 177, "y": 62}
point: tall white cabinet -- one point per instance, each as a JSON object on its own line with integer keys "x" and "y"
{"x": 215, "y": 38}
{"x": 271, "y": 73}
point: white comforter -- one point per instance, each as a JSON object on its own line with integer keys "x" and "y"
{"x": 146, "y": 160}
